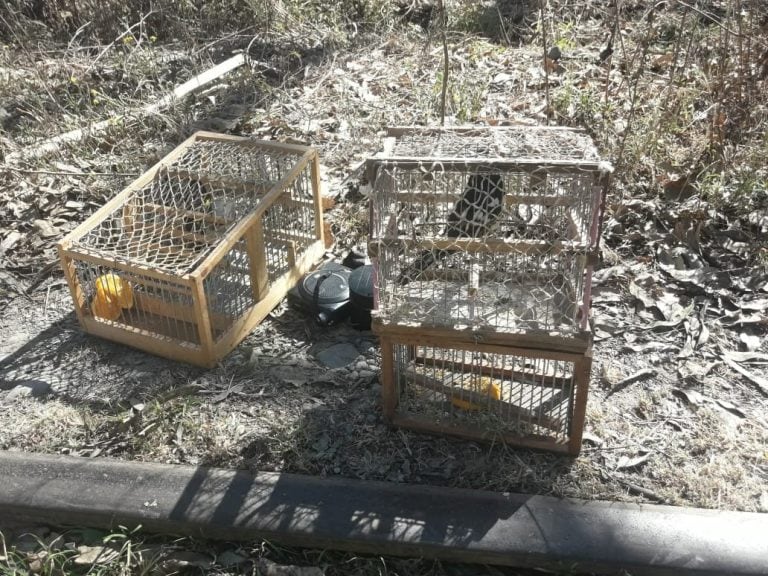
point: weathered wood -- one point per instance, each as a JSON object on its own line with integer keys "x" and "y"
{"x": 257, "y": 260}
{"x": 509, "y": 199}
{"x": 480, "y": 130}
{"x": 460, "y": 163}
{"x": 531, "y": 344}
{"x": 561, "y": 404}
{"x": 582, "y": 370}
{"x": 389, "y": 390}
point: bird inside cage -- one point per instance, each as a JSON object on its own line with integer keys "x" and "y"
{"x": 473, "y": 216}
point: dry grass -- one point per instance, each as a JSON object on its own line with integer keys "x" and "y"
{"x": 323, "y": 81}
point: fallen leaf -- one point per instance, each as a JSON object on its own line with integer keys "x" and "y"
{"x": 750, "y": 341}
{"x": 691, "y": 397}
{"x": 89, "y": 555}
{"x": 627, "y": 462}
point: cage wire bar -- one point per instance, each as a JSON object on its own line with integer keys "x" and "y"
{"x": 483, "y": 242}
{"x": 194, "y": 253}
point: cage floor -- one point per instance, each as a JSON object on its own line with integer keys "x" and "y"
{"x": 506, "y": 395}
{"x": 169, "y": 327}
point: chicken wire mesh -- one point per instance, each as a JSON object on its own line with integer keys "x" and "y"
{"x": 504, "y": 395}
{"x": 464, "y": 235}
{"x": 174, "y": 221}
{"x": 182, "y": 228}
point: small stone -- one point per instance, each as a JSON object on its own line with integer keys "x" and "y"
{"x": 355, "y": 375}
{"x": 362, "y": 365}
{"x": 338, "y": 355}
{"x": 367, "y": 374}
{"x": 269, "y": 568}
{"x": 29, "y": 388}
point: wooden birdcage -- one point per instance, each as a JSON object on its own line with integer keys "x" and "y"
{"x": 483, "y": 242}
{"x": 198, "y": 250}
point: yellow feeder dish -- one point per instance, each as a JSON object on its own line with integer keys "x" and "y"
{"x": 484, "y": 386}
{"x": 111, "y": 287}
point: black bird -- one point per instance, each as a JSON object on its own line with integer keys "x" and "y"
{"x": 472, "y": 217}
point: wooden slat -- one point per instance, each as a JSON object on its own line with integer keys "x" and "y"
{"x": 389, "y": 398}
{"x": 148, "y": 341}
{"x": 78, "y": 297}
{"x": 509, "y": 199}
{"x": 523, "y": 376}
{"x": 278, "y": 289}
{"x": 317, "y": 196}
{"x": 172, "y": 212}
{"x": 490, "y": 245}
{"x": 410, "y": 130}
{"x": 246, "y": 223}
{"x": 297, "y": 149}
{"x": 221, "y": 181}
{"x": 582, "y": 370}
{"x": 257, "y": 260}
{"x": 134, "y": 268}
{"x": 203, "y": 321}
{"x": 530, "y": 344}
{"x": 453, "y": 163}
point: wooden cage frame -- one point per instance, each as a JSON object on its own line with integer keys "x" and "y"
{"x": 577, "y": 352}
{"x": 575, "y": 347}
{"x": 248, "y": 229}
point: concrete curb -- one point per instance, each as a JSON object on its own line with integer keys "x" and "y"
{"x": 383, "y": 518}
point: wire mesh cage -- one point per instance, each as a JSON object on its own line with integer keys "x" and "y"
{"x": 487, "y": 231}
{"x": 198, "y": 250}
{"x": 485, "y": 391}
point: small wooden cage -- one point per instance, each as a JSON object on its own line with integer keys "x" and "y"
{"x": 483, "y": 235}
{"x": 198, "y": 250}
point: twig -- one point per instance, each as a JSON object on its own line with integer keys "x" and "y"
{"x": 64, "y": 173}
{"x": 188, "y": 87}
{"x": 761, "y": 383}
{"x": 116, "y": 40}
{"x": 546, "y": 60}
{"x": 446, "y": 61}
{"x": 637, "y": 489}
{"x": 620, "y": 385}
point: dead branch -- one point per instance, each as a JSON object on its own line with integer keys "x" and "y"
{"x": 188, "y": 87}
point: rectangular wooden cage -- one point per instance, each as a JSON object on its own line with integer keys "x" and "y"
{"x": 484, "y": 239}
{"x": 198, "y": 250}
